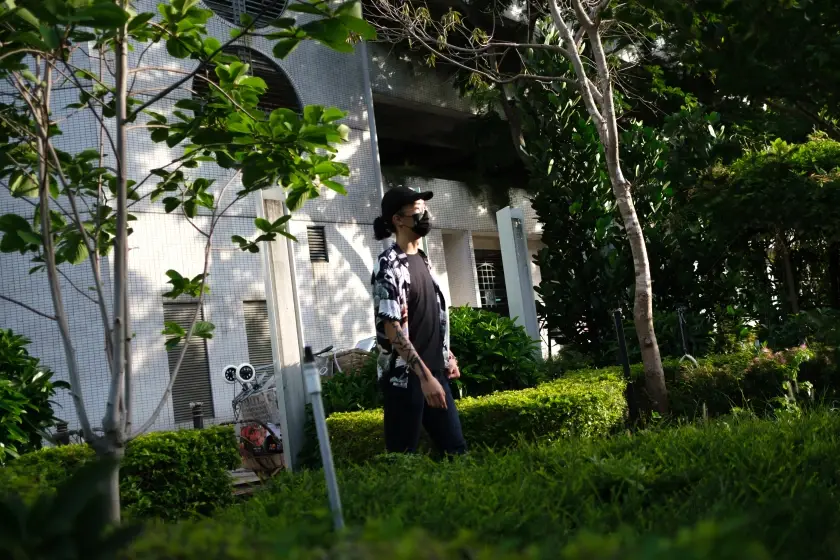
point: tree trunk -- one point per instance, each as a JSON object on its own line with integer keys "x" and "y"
{"x": 599, "y": 102}
{"x": 643, "y": 301}
{"x": 111, "y": 445}
{"x": 113, "y": 451}
{"x": 790, "y": 279}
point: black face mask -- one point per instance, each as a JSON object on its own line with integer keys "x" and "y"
{"x": 422, "y": 224}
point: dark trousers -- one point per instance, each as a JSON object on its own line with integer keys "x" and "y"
{"x": 406, "y": 411}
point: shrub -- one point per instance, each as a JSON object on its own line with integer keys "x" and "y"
{"x": 587, "y": 403}
{"x": 763, "y": 382}
{"x": 25, "y": 393}
{"x": 208, "y": 540}
{"x": 778, "y": 477}
{"x": 352, "y": 390}
{"x": 40, "y": 472}
{"x": 169, "y": 475}
{"x": 494, "y": 353}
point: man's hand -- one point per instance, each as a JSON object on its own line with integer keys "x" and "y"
{"x": 433, "y": 392}
{"x": 454, "y": 372}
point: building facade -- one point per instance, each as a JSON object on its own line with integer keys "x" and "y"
{"x": 334, "y": 255}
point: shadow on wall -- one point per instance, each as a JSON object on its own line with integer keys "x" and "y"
{"x": 335, "y": 296}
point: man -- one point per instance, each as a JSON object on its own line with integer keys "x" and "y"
{"x": 412, "y": 332}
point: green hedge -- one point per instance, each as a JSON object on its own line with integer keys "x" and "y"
{"x": 780, "y": 477}
{"x": 167, "y": 475}
{"x": 775, "y": 485}
{"x": 590, "y": 402}
{"x": 587, "y": 403}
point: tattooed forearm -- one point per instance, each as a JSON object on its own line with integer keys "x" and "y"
{"x": 406, "y": 350}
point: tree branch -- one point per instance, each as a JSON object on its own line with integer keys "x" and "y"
{"x": 162, "y": 95}
{"x": 582, "y": 79}
{"x": 42, "y": 121}
{"x": 207, "y": 247}
{"x": 75, "y": 287}
{"x": 32, "y": 309}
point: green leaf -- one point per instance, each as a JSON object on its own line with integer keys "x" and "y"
{"x": 139, "y": 20}
{"x": 357, "y": 25}
{"x": 284, "y": 47}
{"x": 50, "y": 36}
{"x": 102, "y": 15}
{"x": 173, "y": 328}
{"x": 282, "y": 23}
{"x": 190, "y": 207}
{"x": 72, "y": 248}
{"x": 22, "y": 185}
{"x": 263, "y": 224}
{"x": 332, "y": 114}
{"x": 280, "y": 221}
{"x": 203, "y": 329}
{"x": 344, "y": 132}
{"x": 172, "y": 343}
{"x": 170, "y": 203}
{"x": 351, "y": 8}
{"x": 333, "y": 185}
{"x": 177, "y": 49}
{"x": 30, "y": 237}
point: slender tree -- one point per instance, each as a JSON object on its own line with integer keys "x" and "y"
{"x": 81, "y": 202}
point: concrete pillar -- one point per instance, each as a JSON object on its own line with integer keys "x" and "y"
{"x": 284, "y": 320}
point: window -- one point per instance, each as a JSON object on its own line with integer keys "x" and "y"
{"x": 263, "y": 10}
{"x": 317, "y": 237}
{"x": 280, "y": 92}
{"x": 491, "y": 280}
{"x": 258, "y": 333}
{"x": 193, "y": 381}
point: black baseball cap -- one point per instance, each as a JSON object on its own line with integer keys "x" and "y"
{"x": 396, "y": 198}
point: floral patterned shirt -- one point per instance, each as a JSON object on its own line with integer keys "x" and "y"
{"x": 391, "y": 280}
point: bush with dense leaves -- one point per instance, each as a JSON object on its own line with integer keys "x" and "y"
{"x": 352, "y": 390}
{"x": 167, "y": 475}
{"x": 493, "y": 352}
{"x": 589, "y": 403}
{"x": 25, "y": 392}
{"x": 762, "y": 382}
